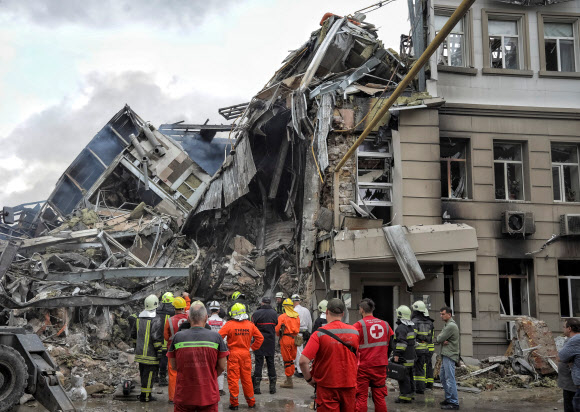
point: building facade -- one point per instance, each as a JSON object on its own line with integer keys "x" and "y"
{"x": 485, "y": 171}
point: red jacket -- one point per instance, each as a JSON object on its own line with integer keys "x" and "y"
{"x": 374, "y": 337}
{"x": 172, "y": 327}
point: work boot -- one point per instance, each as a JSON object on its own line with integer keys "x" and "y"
{"x": 288, "y": 383}
{"x": 272, "y": 380}
{"x": 399, "y": 400}
{"x": 256, "y": 381}
{"x": 233, "y": 408}
{"x": 163, "y": 381}
{"x": 450, "y": 406}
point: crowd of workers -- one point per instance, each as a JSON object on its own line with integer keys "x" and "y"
{"x": 193, "y": 345}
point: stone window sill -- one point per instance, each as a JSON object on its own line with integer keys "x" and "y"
{"x": 559, "y": 75}
{"x": 470, "y": 71}
{"x": 507, "y": 72}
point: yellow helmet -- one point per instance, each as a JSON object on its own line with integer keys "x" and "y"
{"x": 288, "y": 302}
{"x": 179, "y": 303}
{"x": 237, "y": 295}
{"x": 167, "y": 297}
{"x": 237, "y": 309}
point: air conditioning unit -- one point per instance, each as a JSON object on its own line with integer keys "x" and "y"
{"x": 518, "y": 223}
{"x": 510, "y": 330}
{"x": 570, "y": 225}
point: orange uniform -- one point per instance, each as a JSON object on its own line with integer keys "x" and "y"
{"x": 239, "y": 336}
{"x": 171, "y": 328}
{"x": 187, "y": 303}
{"x": 287, "y": 346}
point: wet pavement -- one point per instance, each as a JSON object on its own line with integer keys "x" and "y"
{"x": 298, "y": 399}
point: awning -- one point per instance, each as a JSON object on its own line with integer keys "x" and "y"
{"x": 431, "y": 244}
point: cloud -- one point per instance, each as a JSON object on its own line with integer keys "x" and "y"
{"x": 113, "y": 13}
{"x": 44, "y": 145}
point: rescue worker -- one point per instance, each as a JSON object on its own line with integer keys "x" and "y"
{"x": 238, "y": 297}
{"x": 374, "y": 335}
{"x": 429, "y": 371}
{"x": 279, "y": 300}
{"x": 216, "y": 322}
{"x": 164, "y": 312}
{"x": 187, "y": 299}
{"x": 149, "y": 339}
{"x": 239, "y": 332}
{"x": 424, "y": 337}
{"x": 199, "y": 356}
{"x": 405, "y": 352}
{"x": 322, "y": 318}
{"x": 171, "y": 328}
{"x": 333, "y": 352}
{"x": 287, "y": 328}
{"x": 265, "y": 318}
{"x": 305, "y": 329}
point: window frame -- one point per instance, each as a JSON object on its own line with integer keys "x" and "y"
{"x": 527, "y": 278}
{"x": 574, "y": 19}
{"x": 523, "y": 42}
{"x": 505, "y": 163}
{"x": 377, "y": 185}
{"x": 560, "y": 166}
{"x": 568, "y": 281}
{"x": 468, "y": 58}
{"x": 467, "y": 163}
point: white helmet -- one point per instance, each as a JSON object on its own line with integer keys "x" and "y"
{"x": 151, "y": 302}
{"x": 280, "y": 295}
{"x": 296, "y": 297}
{"x": 214, "y": 304}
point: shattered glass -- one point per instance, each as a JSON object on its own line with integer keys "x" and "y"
{"x": 370, "y": 195}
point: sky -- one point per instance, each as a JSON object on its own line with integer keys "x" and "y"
{"x": 67, "y": 66}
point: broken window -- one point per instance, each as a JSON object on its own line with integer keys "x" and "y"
{"x": 452, "y": 51}
{"x": 569, "y": 281}
{"x": 374, "y": 172}
{"x": 508, "y": 170}
{"x": 514, "y": 279}
{"x": 453, "y": 168}
{"x": 504, "y": 44}
{"x": 565, "y": 177}
{"x": 559, "y": 47}
{"x": 448, "y": 285}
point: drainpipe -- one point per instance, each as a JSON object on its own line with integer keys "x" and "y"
{"x": 423, "y": 59}
{"x": 158, "y": 149}
{"x": 143, "y": 158}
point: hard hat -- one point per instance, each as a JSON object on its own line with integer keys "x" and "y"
{"x": 179, "y": 303}
{"x": 403, "y": 312}
{"x": 426, "y": 312}
{"x": 419, "y": 306}
{"x": 287, "y": 302}
{"x": 322, "y": 306}
{"x": 238, "y": 295}
{"x": 237, "y": 309}
{"x": 296, "y": 297}
{"x": 151, "y": 302}
{"x": 167, "y": 297}
{"x": 214, "y": 304}
{"x": 280, "y": 295}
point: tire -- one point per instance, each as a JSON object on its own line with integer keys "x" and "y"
{"x": 13, "y": 377}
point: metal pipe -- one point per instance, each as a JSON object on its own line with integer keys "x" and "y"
{"x": 423, "y": 59}
{"x": 158, "y": 149}
{"x": 140, "y": 150}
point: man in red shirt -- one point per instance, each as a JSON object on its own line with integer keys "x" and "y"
{"x": 334, "y": 365}
{"x": 374, "y": 337}
{"x": 199, "y": 356}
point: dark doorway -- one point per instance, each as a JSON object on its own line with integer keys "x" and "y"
{"x": 383, "y": 298}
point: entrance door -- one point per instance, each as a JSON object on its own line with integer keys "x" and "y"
{"x": 383, "y": 298}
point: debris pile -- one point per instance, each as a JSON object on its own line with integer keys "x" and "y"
{"x": 529, "y": 361}
{"x": 134, "y": 214}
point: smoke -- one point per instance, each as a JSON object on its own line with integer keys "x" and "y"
{"x": 209, "y": 155}
{"x": 113, "y": 13}
{"x": 36, "y": 153}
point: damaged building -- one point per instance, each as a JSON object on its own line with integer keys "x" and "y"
{"x": 464, "y": 193}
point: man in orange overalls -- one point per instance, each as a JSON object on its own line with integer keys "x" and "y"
{"x": 287, "y": 328}
{"x": 239, "y": 332}
{"x": 171, "y": 328}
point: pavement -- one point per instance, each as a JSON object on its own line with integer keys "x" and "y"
{"x": 299, "y": 399}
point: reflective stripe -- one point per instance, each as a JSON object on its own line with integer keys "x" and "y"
{"x": 337, "y": 331}
{"x": 147, "y": 330}
{"x": 408, "y": 364}
{"x": 405, "y": 398}
{"x": 366, "y": 339}
{"x": 401, "y": 346}
{"x": 372, "y": 345}
{"x": 198, "y": 344}
{"x": 171, "y": 330}
{"x": 411, "y": 335}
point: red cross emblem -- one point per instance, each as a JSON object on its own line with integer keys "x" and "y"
{"x": 377, "y": 331}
